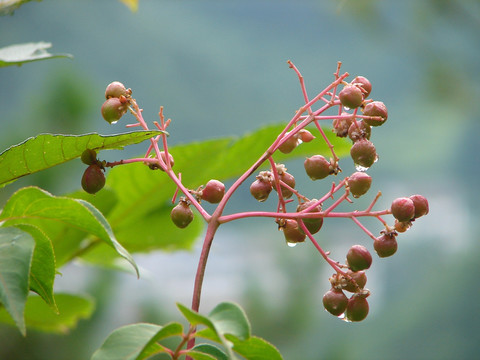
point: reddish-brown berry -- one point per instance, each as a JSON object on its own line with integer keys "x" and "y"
{"x": 359, "y": 258}
{"x": 403, "y": 209}
{"x": 317, "y": 167}
{"x": 385, "y": 245}
{"x": 360, "y": 279}
{"x": 288, "y": 179}
{"x": 364, "y": 84}
{"x": 359, "y": 183}
{"x": 113, "y": 109}
{"x": 421, "y": 205}
{"x": 181, "y": 214}
{"x": 260, "y": 189}
{"x": 341, "y": 125}
{"x": 375, "y": 108}
{"x": 213, "y": 192}
{"x": 89, "y": 157}
{"x": 351, "y": 96}
{"x": 363, "y": 154}
{"x": 305, "y": 135}
{"x": 288, "y": 145}
{"x": 402, "y": 226}
{"x": 312, "y": 224}
{"x": 293, "y": 234}
{"x": 93, "y": 179}
{"x": 115, "y": 89}
{"x": 359, "y": 130}
{"x": 335, "y": 301}
{"x": 357, "y": 308}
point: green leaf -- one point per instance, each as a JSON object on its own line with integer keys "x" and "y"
{"x": 19, "y": 54}
{"x": 136, "y": 341}
{"x": 39, "y": 316}
{"x": 213, "y": 352}
{"x": 16, "y": 252}
{"x": 48, "y": 150}
{"x": 229, "y": 318}
{"x": 55, "y": 216}
{"x": 42, "y": 272}
{"x": 255, "y": 348}
{"x": 194, "y": 318}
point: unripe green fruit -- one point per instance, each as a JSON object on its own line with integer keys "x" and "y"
{"x": 364, "y": 84}
{"x": 375, "y": 108}
{"x": 357, "y": 308}
{"x": 287, "y": 146}
{"x": 181, "y": 215}
{"x": 359, "y": 130}
{"x": 359, "y": 258}
{"x": 317, "y": 167}
{"x": 335, "y": 301}
{"x": 360, "y": 279}
{"x": 312, "y": 224}
{"x": 363, "y": 153}
{"x": 359, "y": 183}
{"x": 213, "y": 192}
{"x": 260, "y": 189}
{"x": 293, "y": 234}
{"x": 403, "y": 209}
{"x": 113, "y": 109}
{"x": 351, "y": 96}
{"x": 385, "y": 245}
{"x": 115, "y": 89}
{"x": 89, "y": 157}
{"x": 421, "y": 205}
{"x": 93, "y": 179}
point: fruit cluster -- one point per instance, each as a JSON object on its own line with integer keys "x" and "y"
{"x": 354, "y": 116}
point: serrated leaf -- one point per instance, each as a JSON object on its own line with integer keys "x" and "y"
{"x": 42, "y": 272}
{"x": 39, "y": 316}
{"x": 134, "y": 342}
{"x": 19, "y": 54}
{"x": 212, "y": 351}
{"x": 255, "y": 348}
{"x": 48, "y": 150}
{"x": 16, "y": 252}
{"x": 55, "y": 215}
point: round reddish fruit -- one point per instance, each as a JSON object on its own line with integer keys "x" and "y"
{"x": 289, "y": 180}
{"x": 359, "y": 130}
{"x": 291, "y": 231}
{"x": 359, "y": 258}
{"x": 351, "y": 96}
{"x": 317, "y": 167}
{"x": 357, "y": 308}
{"x": 313, "y": 225}
{"x": 401, "y": 227}
{"x": 288, "y": 145}
{"x": 403, "y": 209}
{"x": 364, "y": 84}
{"x": 182, "y": 215}
{"x": 421, "y": 205}
{"x": 375, "y": 108}
{"x": 213, "y": 192}
{"x": 341, "y": 125}
{"x": 89, "y": 157}
{"x": 93, "y": 179}
{"x": 305, "y": 135}
{"x": 360, "y": 279}
{"x": 363, "y": 153}
{"x": 335, "y": 301}
{"x": 260, "y": 189}
{"x": 113, "y": 109}
{"x": 115, "y": 89}
{"x": 385, "y": 245}
{"x": 359, "y": 183}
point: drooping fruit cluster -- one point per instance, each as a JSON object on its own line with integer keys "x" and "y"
{"x": 116, "y": 103}
{"x": 93, "y": 179}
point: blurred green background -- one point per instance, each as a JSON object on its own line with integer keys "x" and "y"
{"x": 219, "y": 68}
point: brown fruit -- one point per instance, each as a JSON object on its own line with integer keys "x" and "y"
{"x": 93, "y": 179}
